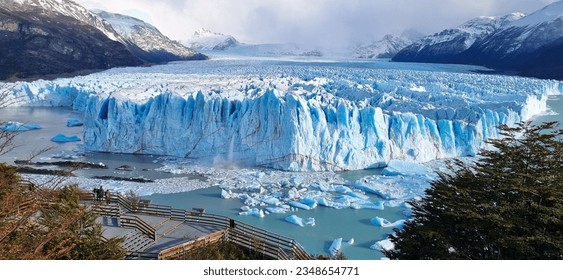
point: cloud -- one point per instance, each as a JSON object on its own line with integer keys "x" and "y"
{"x": 334, "y": 23}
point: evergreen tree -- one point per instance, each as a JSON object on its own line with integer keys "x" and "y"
{"x": 508, "y": 205}
{"x": 47, "y": 223}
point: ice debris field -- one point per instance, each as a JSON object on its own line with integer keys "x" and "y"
{"x": 294, "y": 116}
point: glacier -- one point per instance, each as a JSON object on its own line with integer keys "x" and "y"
{"x": 293, "y": 115}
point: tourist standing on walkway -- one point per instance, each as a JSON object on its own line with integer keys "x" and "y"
{"x": 108, "y": 196}
{"x": 100, "y": 193}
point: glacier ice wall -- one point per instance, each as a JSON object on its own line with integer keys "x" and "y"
{"x": 294, "y": 117}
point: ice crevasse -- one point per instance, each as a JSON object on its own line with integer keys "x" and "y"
{"x": 284, "y": 131}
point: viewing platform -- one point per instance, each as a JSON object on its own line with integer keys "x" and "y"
{"x": 162, "y": 232}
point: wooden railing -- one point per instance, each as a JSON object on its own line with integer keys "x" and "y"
{"x": 138, "y": 223}
{"x": 178, "y": 252}
{"x": 270, "y": 244}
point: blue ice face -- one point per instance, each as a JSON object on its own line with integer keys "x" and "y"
{"x": 293, "y": 115}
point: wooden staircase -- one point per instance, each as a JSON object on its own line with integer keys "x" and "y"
{"x": 149, "y": 223}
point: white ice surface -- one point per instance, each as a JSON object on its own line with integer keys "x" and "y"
{"x": 385, "y": 244}
{"x": 63, "y": 138}
{"x": 335, "y": 246}
{"x": 301, "y": 116}
{"x": 12, "y": 126}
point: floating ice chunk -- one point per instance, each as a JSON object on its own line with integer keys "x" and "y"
{"x": 320, "y": 187}
{"x": 310, "y": 202}
{"x": 378, "y": 205}
{"x": 351, "y": 241}
{"x": 395, "y": 187}
{"x": 335, "y": 246}
{"x": 293, "y": 193}
{"x": 299, "y": 205}
{"x": 342, "y": 189}
{"x": 245, "y": 208}
{"x": 226, "y": 194}
{"x": 74, "y": 123}
{"x": 323, "y": 201}
{"x": 271, "y": 201}
{"x": 251, "y": 187}
{"x": 385, "y": 244}
{"x": 296, "y": 180}
{"x": 65, "y": 155}
{"x": 251, "y": 202}
{"x": 295, "y": 220}
{"x": 253, "y": 212}
{"x": 310, "y": 221}
{"x": 279, "y": 210}
{"x": 276, "y": 194}
{"x": 358, "y": 195}
{"x": 395, "y": 203}
{"x": 378, "y": 221}
{"x": 19, "y": 127}
{"x": 61, "y": 138}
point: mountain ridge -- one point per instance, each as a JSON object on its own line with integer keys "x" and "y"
{"x": 54, "y": 38}
{"x": 529, "y": 45}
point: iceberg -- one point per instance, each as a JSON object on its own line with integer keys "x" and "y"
{"x": 335, "y": 246}
{"x": 312, "y": 203}
{"x": 295, "y": 220}
{"x": 12, "y": 126}
{"x": 74, "y": 123}
{"x": 253, "y": 212}
{"x": 226, "y": 194}
{"x": 61, "y": 138}
{"x": 310, "y": 221}
{"x": 299, "y": 221}
{"x": 397, "y": 189}
{"x": 378, "y": 205}
{"x": 279, "y": 210}
{"x": 381, "y": 222}
{"x": 385, "y": 244}
{"x": 294, "y": 118}
{"x": 299, "y": 205}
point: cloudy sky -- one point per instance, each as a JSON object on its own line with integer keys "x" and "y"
{"x": 315, "y": 23}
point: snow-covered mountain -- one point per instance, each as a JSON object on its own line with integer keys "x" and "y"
{"x": 528, "y": 45}
{"x": 388, "y": 46}
{"x": 531, "y": 46}
{"x": 145, "y": 41}
{"x": 204, "y": 39}
{"x": 70, "y": 9}
{"x": 446, "y": 45}
{"x": 53, "y": 37}
{"x": 273, "y": 50}
{"x": 72, "y": 38}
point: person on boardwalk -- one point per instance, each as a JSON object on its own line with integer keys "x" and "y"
{"x": 108, "y": 196}
{"x": 100, "y": 193}
{"x": 95, "y": 194}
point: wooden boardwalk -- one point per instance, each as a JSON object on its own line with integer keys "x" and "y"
{"x": 162, "y": 232}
